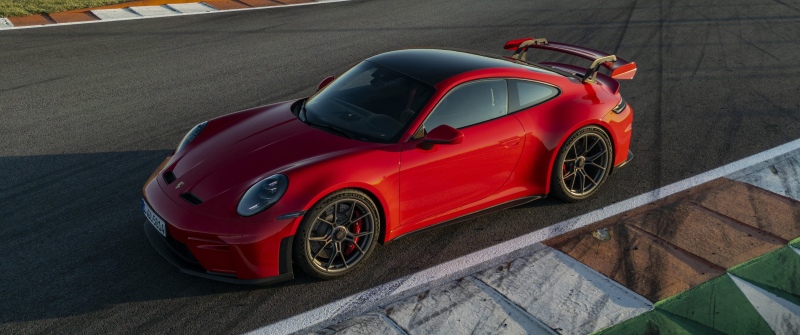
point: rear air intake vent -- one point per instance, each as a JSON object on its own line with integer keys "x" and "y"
{"x": 191, "y": 198}
{"x": 169, "y": 177}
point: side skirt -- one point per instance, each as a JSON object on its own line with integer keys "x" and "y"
{"x": 495, "y": 208}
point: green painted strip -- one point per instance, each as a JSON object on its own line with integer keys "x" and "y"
{"x": 717, "y": 304}
{"x": 651, "y": 322}
{"x": 658, "y": 322}
{"x": 777, "y": 272}
{"x": 689, "y": 325}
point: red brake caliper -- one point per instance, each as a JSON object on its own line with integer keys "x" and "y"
{"x": 355, "y": 229}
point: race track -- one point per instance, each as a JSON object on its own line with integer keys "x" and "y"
{"x": 88, "y": 111}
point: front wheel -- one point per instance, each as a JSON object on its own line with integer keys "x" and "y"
{"x": 582, "y": 164}
{"x": 337, "y": 235}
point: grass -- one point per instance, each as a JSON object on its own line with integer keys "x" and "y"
{"x": 10, "y": 8}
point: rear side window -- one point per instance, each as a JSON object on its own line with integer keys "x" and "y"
{"x": 470, "y": 103}
{"x": 523, "y": 94}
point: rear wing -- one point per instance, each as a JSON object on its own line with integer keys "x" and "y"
{"x": 620, "y": 68}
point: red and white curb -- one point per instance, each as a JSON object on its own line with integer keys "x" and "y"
{"x": 546, "y": 292}
{"x": 782, "y": 178}
{"x": 143, "y": 12}
{"x": 550, "y": 287}
{"x": 153, "y": 11}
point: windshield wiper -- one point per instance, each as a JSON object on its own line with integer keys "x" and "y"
{"x": 332, "y": 128}
{"x": 302, "y": 115}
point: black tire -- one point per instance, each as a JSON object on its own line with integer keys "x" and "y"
{"x": 582, "y": 165}
{"x": 337, "y": 234}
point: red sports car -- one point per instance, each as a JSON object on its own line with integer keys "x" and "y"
{"x": 402, "y": 141}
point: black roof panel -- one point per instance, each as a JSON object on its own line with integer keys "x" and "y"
{"x": 431, "y": 66}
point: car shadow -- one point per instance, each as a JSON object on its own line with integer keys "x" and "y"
{"x": 73, "y": 237}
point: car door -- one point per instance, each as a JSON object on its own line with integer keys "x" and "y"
{"x": 443, "y": 177}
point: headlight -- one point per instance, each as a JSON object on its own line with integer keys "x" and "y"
{"x": 190, "y": 136}
{"x": 262, "y": 195}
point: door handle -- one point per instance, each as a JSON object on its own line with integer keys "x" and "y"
{"x": 510, "y": 142}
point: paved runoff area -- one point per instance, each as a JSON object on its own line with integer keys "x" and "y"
{"x": 720, "y": 257}
{"x": 144, "y": 9}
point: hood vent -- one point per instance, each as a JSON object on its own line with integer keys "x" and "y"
{"x": 169, "y": 177}
{"x": 191, "y": 198}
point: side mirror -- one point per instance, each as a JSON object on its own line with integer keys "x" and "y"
{"x": 325, "y": 82}
{"x": 443, "y": 134}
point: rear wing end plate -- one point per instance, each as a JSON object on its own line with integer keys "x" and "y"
{"x": 620, "y": 68}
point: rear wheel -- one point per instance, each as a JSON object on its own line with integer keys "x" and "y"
{"x": 337, "y": 235}
{"x": 582, "y": 164}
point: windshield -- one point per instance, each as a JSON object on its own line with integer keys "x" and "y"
{"x": 369, "y": 103}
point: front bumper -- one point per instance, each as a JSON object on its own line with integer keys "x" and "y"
{"x": 188, "y": 265}
{"x": 225, "y": 250}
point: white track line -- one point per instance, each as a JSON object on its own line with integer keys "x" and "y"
{"x": 318, "y": 2}
{"x": 460, "y": 267}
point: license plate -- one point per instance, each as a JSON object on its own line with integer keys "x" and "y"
{"x": 154, "y": 219}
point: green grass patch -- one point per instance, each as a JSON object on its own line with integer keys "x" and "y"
{"x": 10, "y": 8}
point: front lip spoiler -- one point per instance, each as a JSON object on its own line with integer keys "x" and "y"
{"x": 164, "y": 250}
{"x": 628, "y": 160}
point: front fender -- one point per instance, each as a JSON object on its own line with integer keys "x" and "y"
{"x": 375, "y": 172}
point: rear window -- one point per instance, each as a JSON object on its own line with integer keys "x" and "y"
{"x": 524, "y": 94}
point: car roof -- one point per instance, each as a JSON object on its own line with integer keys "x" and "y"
{"x": 432, "y": 66}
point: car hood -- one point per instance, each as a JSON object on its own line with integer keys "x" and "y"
{"x": 235, "y": 151}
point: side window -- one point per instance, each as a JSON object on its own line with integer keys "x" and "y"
{"x": 523, "y": 94}
{"x": 470, "y": 103}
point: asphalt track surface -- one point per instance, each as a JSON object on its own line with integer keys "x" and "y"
{"x": 88, "y": 111}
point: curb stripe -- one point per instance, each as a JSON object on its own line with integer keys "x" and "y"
{"x": 531, "y": 324}
{"x": 5, "y": 23}
{"x": 194, "y": 7}
{"x": 153, "y": 10}
{"x": 783, "y": 317}
{"x": 563, "y": 293}
{"x": 115, "y": 14}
